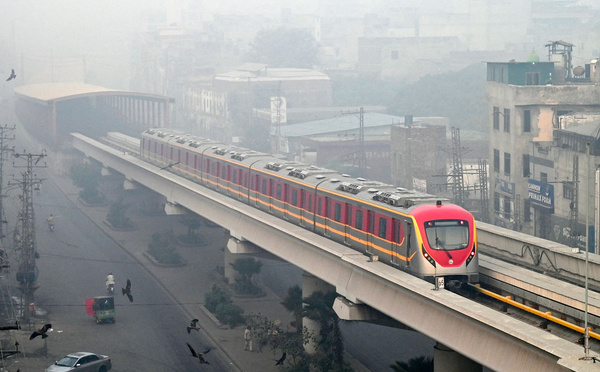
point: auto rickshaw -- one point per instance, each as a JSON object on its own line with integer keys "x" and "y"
{"x": 102, "y": 308}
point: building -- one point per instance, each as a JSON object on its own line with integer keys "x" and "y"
{"x": 534, "y": 177}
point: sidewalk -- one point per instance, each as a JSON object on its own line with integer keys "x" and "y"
{"x": 198, "y": 274}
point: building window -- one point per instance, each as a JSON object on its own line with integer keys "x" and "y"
{"x": 507, "y": 208}
{"x": 527, "y": 211}
{"x": 543, "y": 177}
{"x": 532, "y": 78}
{"x": 507, "y": 120}
{"x": 568, "y": 190}
{"x": 527, "y": 121}
{"x": 496, "y": 116}
{"x": 394, "y": 54}
{"x": 496, "y": 160}
{"x": 496, "y": 203}
{"x": 526, "y": 169}
{"x": 507, "y": 164}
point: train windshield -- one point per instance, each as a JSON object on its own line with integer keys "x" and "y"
{"x": 448, "y": 235}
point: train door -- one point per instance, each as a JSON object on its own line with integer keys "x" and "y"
{"x": 397, "y": 241}
{"x": 347, "y": 221}
{"x": 370, "y": 231}
{"x": 326, "y": 214}
{"x": 284, "y": 199}
{"x": 270, "y": 195}
{"x": 302, "y": 207}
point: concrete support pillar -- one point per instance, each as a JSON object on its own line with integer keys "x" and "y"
{"x": 235, "y": 247}
{"x": 311, "y": 284}
{"x": 172, "y": 209}
{"x": 448, "y": 360}
{"x": 129, "y": 185}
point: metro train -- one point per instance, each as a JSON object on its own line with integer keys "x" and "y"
{"x": 416, "y": 232}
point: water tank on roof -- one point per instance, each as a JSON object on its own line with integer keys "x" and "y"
{"x": 579, "y": 71}
{"x": 533, "y": 57}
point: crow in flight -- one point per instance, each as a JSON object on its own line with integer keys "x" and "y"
{"x": 193, "y": 325}
{"x": 280, "y": 360}
{"x": 198, "y": 355}
{"x": 41, "y": 332}
{"x": 12, "y": 75}
{"x": 127, "y": 291}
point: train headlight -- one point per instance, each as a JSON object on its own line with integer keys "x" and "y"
{"x": 428, "y": 257}
{"x": 471, "y": 255}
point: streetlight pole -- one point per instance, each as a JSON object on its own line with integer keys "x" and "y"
{"x": 586, "y": 337}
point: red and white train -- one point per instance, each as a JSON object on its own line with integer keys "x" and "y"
{"x": 412, "y": 231}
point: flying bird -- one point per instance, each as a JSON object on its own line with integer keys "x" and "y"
{"x": 280, "y": 360}
{"x": 198, "y": 355}
{"x": 41, "y": 332}
{"x": 193, "y": 325}
{"x": 12, "y": 75}
{"x": 127, "y": 291}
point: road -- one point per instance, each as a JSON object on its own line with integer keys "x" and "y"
{"x": 74, "y": 259}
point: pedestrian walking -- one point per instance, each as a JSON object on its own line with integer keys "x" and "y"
{"x": 248, "y": 338}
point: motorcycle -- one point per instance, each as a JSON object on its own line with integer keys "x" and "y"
{"x": 50, "y": 226}
{"x": 110, "y": 288}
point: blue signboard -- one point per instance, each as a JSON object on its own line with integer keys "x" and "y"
{"x": 505, "y": 187}
{"x": 541, "y": 193}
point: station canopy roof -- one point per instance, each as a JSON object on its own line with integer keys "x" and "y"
{"x": 47, "y": 92}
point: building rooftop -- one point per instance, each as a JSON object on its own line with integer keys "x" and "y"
{"x": 341, "y": 123}
{"x": 258, "y": 72}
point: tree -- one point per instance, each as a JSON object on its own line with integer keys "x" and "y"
{"x": 116, "y": 215}
{"x": 418, "y": 364}
{"x": 284, "y": 47}
{"x": 192, "y": 225}
{"x": 319, "y": 307}
{"x": 247, "y": 268}
{"x": 293, "y": 302}
{"x": 87, "y": 176}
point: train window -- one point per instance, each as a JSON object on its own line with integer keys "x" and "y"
{"x": 245, "y": 180}
{"x": 398, "y": 231}
{"x": 234, "y": 177}
{"x": 294, "y": 197}
{"x": 359, "y": 219}
{"x": 278, "y": 192}
{"x": 264, "y": 186}
{"x": 224, "y": 172}
{"x": 382, "y": 227}
{"x": 213, "y": 169}
{"x": 319, "y": 204}
{"x": 310, "y": 203}
{"x": 447, "y": 235}
{"x": 171, "y": 153}
{"x": 337, "y": 214}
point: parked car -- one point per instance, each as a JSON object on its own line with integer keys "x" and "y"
{"x": 82, "y": 361}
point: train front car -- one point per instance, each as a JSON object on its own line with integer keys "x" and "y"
{"x": 447, "y": 244}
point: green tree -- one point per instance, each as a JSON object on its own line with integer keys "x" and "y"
{"x": 319, "y": 307}
{"x": 284, "y": 47}
{"x": 87, "y": 176}
{"x": 192, "y": 225}
{"x": 116, "y": 215}
{"x": 247, "y": 268}
{"x": 293, "y": 302}
{"x": 418, "y": 364}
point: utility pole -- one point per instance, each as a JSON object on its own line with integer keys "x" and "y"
{"x": 4, "y": 137}
{"x": 25, "y": 242}
{"x": 359, "y": 156}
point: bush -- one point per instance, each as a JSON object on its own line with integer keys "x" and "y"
{"x": 215, "y": 297}
{"x": 162, "y": 251}
{"x": 116, "y": 215}
{"x": 219, "y": 303}
{"x": 229, "y": 313}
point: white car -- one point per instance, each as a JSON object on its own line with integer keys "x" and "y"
{"x": 80, "y": 362}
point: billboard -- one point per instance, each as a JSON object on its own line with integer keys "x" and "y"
{"x": 541, "y": 193}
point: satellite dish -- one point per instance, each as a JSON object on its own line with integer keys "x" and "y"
{"x": 579, "y": 71}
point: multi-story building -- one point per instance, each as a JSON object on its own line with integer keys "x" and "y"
{"x": 533, "y": 175}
